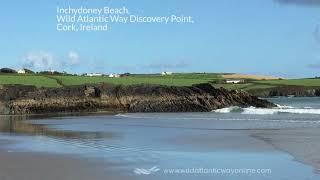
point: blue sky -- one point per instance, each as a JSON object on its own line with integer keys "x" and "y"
{"x": 270, "y": 37}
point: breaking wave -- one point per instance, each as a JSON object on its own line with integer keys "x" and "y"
{"x": 266, "y": 111}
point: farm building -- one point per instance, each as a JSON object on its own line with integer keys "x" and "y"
{"x": 114, "y": 75}
{"x": 21, "y": 71}
{"x": 166, "y": 73}
{"x": 234, "y": 81}
{"x": 94, "y": 74}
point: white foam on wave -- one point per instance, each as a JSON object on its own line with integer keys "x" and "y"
{"x": 227, "y": 110}
{"x": 260, "y": 111}
{"x": 284, "y": 106}
{"x": 269, "y": 111}
{"x": 121, "y": 115}
{"x": 307, "y": 107}
{"x": 253, "y": 110}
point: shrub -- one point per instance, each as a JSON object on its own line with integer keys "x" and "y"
{"x": 7, "y": 70}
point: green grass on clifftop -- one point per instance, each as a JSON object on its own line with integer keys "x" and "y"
{"x": 39, "y": 81}
{"x": 292, "y": 82}
{"x": 174, "y": 80}
{"x": 58, "y": 81}
{"x": 182, "y": 79}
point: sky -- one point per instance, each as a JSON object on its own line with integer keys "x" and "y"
{"x": 269, "y": 37}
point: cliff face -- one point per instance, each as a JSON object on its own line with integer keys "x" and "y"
{"x": 136, "y": 98}
{"x": 298, "y": 91}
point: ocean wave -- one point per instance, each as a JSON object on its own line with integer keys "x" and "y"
{"x": 250, "y": 110}
{"x": 284, "y": 106}
{"x": 229, "y": 109}
{"x": 122, "y": 115}
{"x": 307, "y": 107}
{"x": 268, "y": 111}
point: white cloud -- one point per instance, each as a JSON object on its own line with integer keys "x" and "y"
{"x": 43, "y": 60}
{"x": 74, "y": 58}
{"x": 40, "y": 61}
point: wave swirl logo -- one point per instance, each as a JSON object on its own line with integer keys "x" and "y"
{"x": 141, "y": 171}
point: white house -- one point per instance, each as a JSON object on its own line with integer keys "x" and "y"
{"x": 166, "y": 73}
{"x": 21, "y": 71}
{"x": 234, "y": 81}
{"x": 94, "y": 74}
{"x": 114, "y": 75}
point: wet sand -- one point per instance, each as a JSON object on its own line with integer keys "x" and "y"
{"x": 41, "y": 166}
{"x": 32, "y": 166}
{"x": 111, "y": 147}
{"x": 303, "y": 144}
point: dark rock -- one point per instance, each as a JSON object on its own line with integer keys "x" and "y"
{"x": 135, "y": 98}
{"x": 297, "y": 91}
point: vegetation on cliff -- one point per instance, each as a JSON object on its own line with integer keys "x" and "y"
{"x": 255, "y": 85}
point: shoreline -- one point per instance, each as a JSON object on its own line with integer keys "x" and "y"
{"x": 300, "y": 143}
{"x": 62, "y": 114}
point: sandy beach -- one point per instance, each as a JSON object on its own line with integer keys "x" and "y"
{"x": 113, "y": 146}
{"x": 35, "y": 166}
{"x": 302, "y": 144}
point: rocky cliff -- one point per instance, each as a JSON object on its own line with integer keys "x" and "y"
{"x": 297, "y": 91}
{"x": 135, "y": 98}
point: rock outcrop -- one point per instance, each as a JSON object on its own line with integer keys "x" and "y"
{"x": 297, "y": 91}
{"x": 135, "y": 98}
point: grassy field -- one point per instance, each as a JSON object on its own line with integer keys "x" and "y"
{"x": 172, "y": 80}
{"x": 39, "y": 81}
{"x": 265, "y": 84}
{"x": 58, "y": 81}
{"x": 295, "y": 82}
